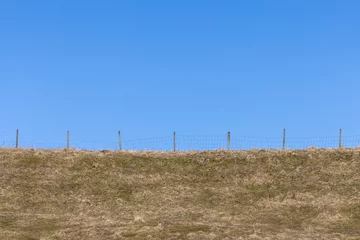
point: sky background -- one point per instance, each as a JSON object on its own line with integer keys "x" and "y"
{"x": 149, "y": 68}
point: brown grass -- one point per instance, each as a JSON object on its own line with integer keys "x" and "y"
{"x": 59, "y": 194}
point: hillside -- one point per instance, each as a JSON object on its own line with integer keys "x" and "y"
{"x": 258, "y": 194}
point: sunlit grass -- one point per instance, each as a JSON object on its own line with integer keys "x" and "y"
{"x": 68, "y": 194}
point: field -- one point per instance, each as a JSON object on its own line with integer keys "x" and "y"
{"x": 258, "y": 194}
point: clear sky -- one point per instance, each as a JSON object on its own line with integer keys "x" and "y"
{"x": 202, "y": 67}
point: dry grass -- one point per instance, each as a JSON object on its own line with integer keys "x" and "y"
{"x": 307, "y": 194}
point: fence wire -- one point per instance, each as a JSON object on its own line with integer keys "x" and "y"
{"x": 193, "y": 142}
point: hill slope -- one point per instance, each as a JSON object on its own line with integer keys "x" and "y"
{"x": 307, "y": 194}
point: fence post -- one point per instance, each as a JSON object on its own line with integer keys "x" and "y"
{"x": 17, "y": 138}
{"x": 228, "y": 141}
{"x": 120, "y": 143}
{"x": 340, "y": 138}
{"x": 68, "y": 139}
{"x": 174, "y": 141}
{"x": 284, "y": 139}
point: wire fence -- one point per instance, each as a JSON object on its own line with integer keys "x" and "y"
{"x": 192, "y": 142}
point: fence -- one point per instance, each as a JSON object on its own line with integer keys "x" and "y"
{"x": 177, "y": 142}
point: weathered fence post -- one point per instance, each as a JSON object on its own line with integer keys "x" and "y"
{"x": 68, "y": 139}
{"x": 17, "y": 138}
{"x": 340, "y": 138}
{"x": 174, "y": 141}
{"x": 120, "y": 143}
{"x": 284, "y": 139}
{"x": 228, "y": 141}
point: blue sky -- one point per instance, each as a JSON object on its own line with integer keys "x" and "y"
{"x": 149, "y": 68}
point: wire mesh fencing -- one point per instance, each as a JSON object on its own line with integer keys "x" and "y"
{"x": 187, "y": 143}
{"x": 193, "y": 142}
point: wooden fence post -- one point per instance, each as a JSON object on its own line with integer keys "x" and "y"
{"x": 228, "y": 141}
{"x": 174, "y": 141}
{"x": 284, "y": 139}
{"x": 120, "y": 143}
{"x": 340, "y": 138}
{"x": 68, "y": 139}
{"x": 17, "y": 138}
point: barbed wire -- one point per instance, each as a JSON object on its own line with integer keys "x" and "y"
{"x": 198, "y": 143}
{"x": 2, "y": 141}
{"x": 149, "y": 144}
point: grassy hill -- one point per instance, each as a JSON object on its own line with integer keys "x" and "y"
{"x": 258, "y": 194}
